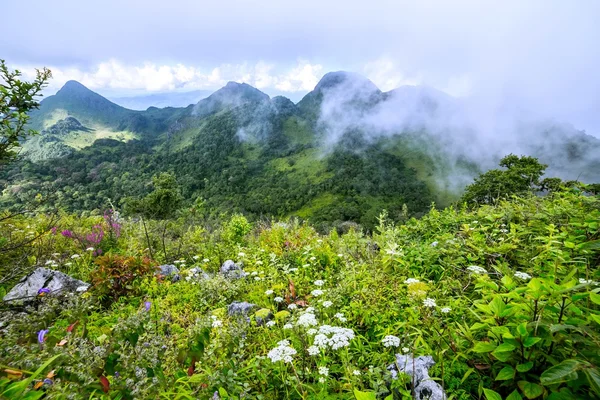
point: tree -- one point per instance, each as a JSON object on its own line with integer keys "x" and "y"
{"x": 522, "y": 175}
{"x": 17, "y": 98}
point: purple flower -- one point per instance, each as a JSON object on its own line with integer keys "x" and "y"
{"x": 48, "y": 381}
{"x": 148, "y": 305}
{"x": 42, "y": 335}
{"x": 117, "y": 374}
{"x": 67, "y": 233}
{"x": 43, "y": 290}
{"x": 54, "y": 228}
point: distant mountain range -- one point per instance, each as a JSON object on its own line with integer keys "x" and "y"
{"x": 161, "y": 100}
{"x": 343, "y": 152}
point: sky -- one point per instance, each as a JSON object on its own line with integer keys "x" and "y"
{"x": 538, "y": 56}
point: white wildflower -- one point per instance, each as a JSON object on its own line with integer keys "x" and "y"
{"x": 307, "y": 319}
{"x": 340, "y": 255}
{"x": 446, "y": 310}
{"x": 68, "y": 264}
{"x": 391, "y": 341}
{"x": 196, "y": 257}
{"x": 311, "y": 331}
{"x": 292, "y": 307}
{"x": 270, "y": 324}
{"x": 523, "y": 275}
{"x": 356, "y": 372}
{"x": 50, "y": 262}
{"x": 583, "y": 281}
{"x": 90, "y": 249}
{"x": 319, "y": 282}
{"x": 333, "y": 336}
{"x": 278, "y": 299}
{"x": 477, "y": 269}
{"x": 257, "y": 278}
{"x": 327, "y": 304}
{"x": 241, "y": 254}
{"x": 323, "y": 371}
{"x": 322, "y": 380}
{"x": 205, "y": 260}
{"x": 341, "y": 317}
{"x": 429, "y": 302}
{"x": 216, "y": 323}
{"x": 269, "y": 292}
{"x": 313, "y": 350}
{"x": 74, "y": 256}
{"x": 434, "y": 244}
{"x": 283, "y": 352}
{"x": 313, "y": 258}
{"x": 405, "y": 350}
{"x": 410, "y": 281}
{"x": 317, "y": 292}
{"x": 288, "y": 326}
{"x": 310, "y": 309}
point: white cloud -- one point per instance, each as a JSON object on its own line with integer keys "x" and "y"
{"x": 116, "y": 76}
{"x": 387, "y": 75}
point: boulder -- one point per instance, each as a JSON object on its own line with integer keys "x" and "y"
{"x": 425, "y": 388}
{"x": 197, "y": 273}
{"x": 169, "y": 270}
{"x": 240, "y": 308}
{"x": 42, "y": 278}
{"x": 232, "y": 270}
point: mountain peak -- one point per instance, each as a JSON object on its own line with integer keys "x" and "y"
{"x": 233, "y": 94}
{"x": 73, "y": 87}
{"x": 336, "y": 78}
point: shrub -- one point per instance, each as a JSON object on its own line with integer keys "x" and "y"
{"x": 117, "y": 276}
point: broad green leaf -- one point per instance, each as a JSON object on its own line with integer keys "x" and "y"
{"x": 505, "y": 347}
{"x": 503, "y": 355}
{"x": 530, "y": 341}
{"x": 514, "y": 396}
{"x": 484, "y": 347}
{"x": 522, "y": 329}
{"x": 594, "y": 244}
{"x": 595, "y": 297}
{"x": 560, "y": 372}
{"x": 525, "y": 367}
{"x": 364, "y": 395}
{"x": 505, "y": 374}
{"x": 596, "y": 318}
{"x": 594, "y": 379}
{"x": 530, "y": 390}
{"x": 491, "y": 395}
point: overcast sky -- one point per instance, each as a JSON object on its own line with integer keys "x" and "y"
{"x": 542, "y": 55}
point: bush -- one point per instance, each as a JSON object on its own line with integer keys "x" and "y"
{"x": 117, "y": 276}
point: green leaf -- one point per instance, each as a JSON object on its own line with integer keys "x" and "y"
{"x": 505, "y": 374}
{"x": 364, "y": 395}
{"x": 594, "y": 244}
{"x": 522, "y": 329}
{"x": 593, "y": 378}
{"x": 503, "y": 356}
{"x": 530, "y": 341}
{"x": 596, "y": 318}
{"x": 560, "y": 373}
{"x": 484, "y": 347}
{"x": 505, "y": 347}
{"x": 514, "y": 396}
{"x": 530, "y": 390}
{"x": 595, "y": 297}
{"x": 525, "y": 367}
{"x": 491, "y": 395}
{"x": 389, "y": 397}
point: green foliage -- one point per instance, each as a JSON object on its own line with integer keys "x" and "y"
{"x": 521, "y": 176}
{"x": 116, "y": 276}
{"x": 17, "y": 98}
{"x": 236, "y": 229}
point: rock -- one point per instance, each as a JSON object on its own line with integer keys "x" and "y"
{"x": 232, "y": 270}
{"x": 241, "y": 308}
{"x": 425, "y": 388}
{"x": 197, "y": 273}
{"x": 169, "y": 270}
{"x": 55, "y": 281}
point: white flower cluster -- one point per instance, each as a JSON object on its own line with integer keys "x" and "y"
{"x": 269, "y": 292}
{"x": 317, "y": 292}
{"x": 90, "y": 249}
{"x": 216, "y": 323}
{"x": 333, "y": 336}
{"x": 52, "y": 263}
{"x": 477, "y": 269}
{"x": 313, "y": 350}
{"x": 288, "y": 326}
{"x": 341, "y": 317}
{"x": 74, "y": 256}
{"x": 179, "y": 262}
{"x": 319, "y": 282}
{"x": 429, "y": 302}
{"x": 446, "y": 310}
{"x": 391, "y": 341}
{"x": 356, "y": 372}
{"x": 327, "y": 304}
{"x": 307, "y": 319}
{"x": 410, "y": 281}
{"x": 588, "y": 282}
{"x": 292, "y": 306}
{"x": 323, "y": 371}
{"x": 278, "y": 299}
{"x": 270, "y": 323}
{"x": 523, "y": 275}
{"x": 283, "y": 352}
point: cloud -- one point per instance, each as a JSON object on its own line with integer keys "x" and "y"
{"x": 116, "y": 76}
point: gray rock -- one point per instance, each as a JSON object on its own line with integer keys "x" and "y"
{"x": 198, "y": 273}
{"x": 169, "y": 270}
{"x": 241, "y": 308}
{"x": 55, "y": 281}
{"x": 232, "y": 270}
{"x": 425, "y": 387}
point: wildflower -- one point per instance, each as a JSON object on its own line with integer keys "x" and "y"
{"x": 50, "y": 262}
{"x": 241, "y": 254}
{"x": 307, "y": 319}
{"x": 311, "y": 331}
{"x": 327, "y": 304}
{"x": 90, "y": 249}
{"x": 405, "y": 350}
{"x": 288, "y": 326}
{"x": 283, "y": 352}
{"x": 477, "y": 269}
{"x": 333, "y": 336}
{"x": 68, "y": 264}
{"x": 270, "y": 324}
{"x": 42, "y": 335}
{"x": 391, "y": 341}
{"x": 217, "y": 324}
{"x": 319, "y": 282}
{"x": 522, "y": 275}
{"x": 257, "y": 278}
{"x": 147, "y": 305}
{"x": 340, "y": 255}
{"x": 313, "y": 350}
{"x": 583, "y": 281}
{"x": 75, "y": 256}
{"x": 313, "y": 258}
{"x": 205, "y": 260}
{"x": 341, "y": 317}
{"x": 43, "y": 291}
{"x": 322, "y": 380}
{"x": 196, "y": 257}
{"x": 292, "y": 306}
{"x": 446, "y": 310}
{"x": 278, "y": 299}
{"x": 410, "y": 281}
{"x": 67, "y": 233}
{"x": 317, "y": 292}
{"x": 356, "y": 372}
{"x": 323, "y": 371}
{"x": 176, "y": 261}
{"x": 429, "y": 302}
{"x": 48, "y": 381}
{"x": 269, "y": 292}
{"x": 434, "y": 244}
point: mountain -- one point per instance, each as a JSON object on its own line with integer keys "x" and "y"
{"x": 344, "y": 152}
{"x": 161, "y": 100}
